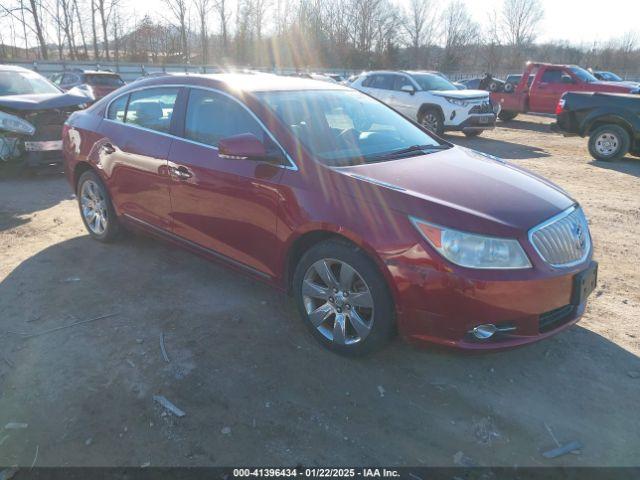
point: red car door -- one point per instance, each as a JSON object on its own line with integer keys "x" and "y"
{"x": 545, "y": 93}
{"x": 226, "y": 206}
{"x": 133, "y": 154}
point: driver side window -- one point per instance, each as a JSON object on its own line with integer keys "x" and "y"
{"x": 212, "y": 116}
{"x": 401, "y": 81}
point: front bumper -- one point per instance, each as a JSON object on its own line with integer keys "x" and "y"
{"x": 442, "y": 307}
{"x": 486, "y": 121}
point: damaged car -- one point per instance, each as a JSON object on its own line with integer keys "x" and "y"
{"x": 32, "y": 112}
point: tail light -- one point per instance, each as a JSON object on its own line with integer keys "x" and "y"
{"x": 560, "y": 105}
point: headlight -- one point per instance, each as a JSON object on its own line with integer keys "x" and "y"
{"x": 14, "y": 124}
{"x": 456, "y": 101}
{"x": 471, "y": 250}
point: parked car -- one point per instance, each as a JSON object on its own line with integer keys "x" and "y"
{"x": 430, "y": 100}
{"x": 97, "y": 83}
{"x": 605, "y": 76}
{"x": 610, "y": 120}
{"x": 371, "y": 223}
{"x": 472, "y": 83}
{"x": 336, "y": 77}
{"x": 32, "y": 112}
{"x": 549, "y": 83}
{"x": 512, "y": 81}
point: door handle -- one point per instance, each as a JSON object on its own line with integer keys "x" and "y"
{"x": 108, "y": 148}
{"x": 181, "y": 172}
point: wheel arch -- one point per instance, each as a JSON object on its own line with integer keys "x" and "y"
{"x": 311, "y": 236}
{"x": 78, "y": 170}
{"x": 429, "y": 106}
{"x": 592, "y": 123}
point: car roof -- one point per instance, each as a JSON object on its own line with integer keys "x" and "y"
{"x": 13, "y": 68}
{"x": 258, "y": 82}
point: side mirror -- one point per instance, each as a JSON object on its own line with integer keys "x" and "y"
{"x": 241, "y": 147}
{"x": 567, "y": 79}
{"x": 246, "y": 146}
{"x": 408, "y": 88}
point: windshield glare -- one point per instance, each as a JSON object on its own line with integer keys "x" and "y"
{"x": 343, "y": 128}
{"x": 430, "y": 81}
{"x": 583, "y": 74}
{"x": 24, "y": 83}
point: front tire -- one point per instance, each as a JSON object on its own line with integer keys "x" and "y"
{"x": 609, "y": 142}
{"x": 473, "y": 133}
{"x": 343, "y": 298}
{"x": 432, "y": 120}
{"x": 96, "y": 209}
{"x": 507, "y": 115}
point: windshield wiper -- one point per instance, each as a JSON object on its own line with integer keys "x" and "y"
{"x": 412, "y": 149}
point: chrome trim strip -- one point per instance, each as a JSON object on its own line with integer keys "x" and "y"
{"x": 554, "y": 219}
{"x": 292, "y": 165}
{"x": 206, "y": 250}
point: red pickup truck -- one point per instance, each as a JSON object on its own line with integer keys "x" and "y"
{"x": 549, "y": 83}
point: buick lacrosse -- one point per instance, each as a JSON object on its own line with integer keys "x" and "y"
{"x": 373, "y": 224}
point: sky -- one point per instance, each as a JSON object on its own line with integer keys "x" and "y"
{"x": 576, "y": 21}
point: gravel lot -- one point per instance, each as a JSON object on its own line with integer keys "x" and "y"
{"x": 257, "y": 389}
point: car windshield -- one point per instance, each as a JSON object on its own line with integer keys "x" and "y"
{"x": 583, "y": 75}
{"x": 102, "y": 80}
{"x": 431, "y": 81}
{"x": 23, "y": 83}
{"x": 342, "y": 127}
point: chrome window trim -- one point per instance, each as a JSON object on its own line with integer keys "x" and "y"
{"x": 554, "y": 219}
{"x": 292, "y": 165}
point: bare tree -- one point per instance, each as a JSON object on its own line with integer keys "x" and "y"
{"x": 520, "y": 21}
{"x": 419, "y": 25}
{"x": 180, "y": 12}
{"x": 203, "y": 8}
{"x": 94, "y": 29}
{"x": 32, "y": 8}
{"x": 221, "y": 8}
{"x": 459, "y": 32}
{"x": 81, "y": 27}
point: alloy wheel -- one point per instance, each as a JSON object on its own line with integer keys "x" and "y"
{"x": 338, "y": 301}
{"x": 94, "y": 207}
{"x": 430, "y": 121}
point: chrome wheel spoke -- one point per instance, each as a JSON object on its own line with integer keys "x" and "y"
{"x": 320, "y": 314}
{"x": 361, "y": 299}
{"x": 340, "y": 329}
{"x": 314, "y": 290}
{"x": 324, "y": 270}
{"x": 347, "y": 274}
{"x": 359, "y": 325}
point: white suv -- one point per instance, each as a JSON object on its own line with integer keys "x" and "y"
{"x": 431, "y": 100}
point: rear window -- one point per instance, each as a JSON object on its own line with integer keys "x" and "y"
{"x": 102, "y": 80}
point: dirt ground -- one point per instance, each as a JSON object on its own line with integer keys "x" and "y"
{"x": 257, "y": 389}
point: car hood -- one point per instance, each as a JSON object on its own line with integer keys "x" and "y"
{"x": 460, "y": 188}
{"x": 461, "y": 94}
{"x": 617, "y": 86}
{"x": 42, "y": 101}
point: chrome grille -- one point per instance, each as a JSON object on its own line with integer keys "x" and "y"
{"x": 563, "y": 240}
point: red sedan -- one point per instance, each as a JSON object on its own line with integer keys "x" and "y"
{"x": 372, "y": 223}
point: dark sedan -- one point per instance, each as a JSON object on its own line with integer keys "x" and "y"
{"x": 372, "y": 223}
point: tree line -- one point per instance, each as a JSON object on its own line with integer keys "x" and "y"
{"x": 304, "y": 34}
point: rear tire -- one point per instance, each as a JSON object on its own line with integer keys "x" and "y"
{"x": 96, "y": 209}
{"x": 431, "y": 119}
{"x": 507, "y": 115}
{"x": 609, "y": 142}
{"x": 343, "y": 298}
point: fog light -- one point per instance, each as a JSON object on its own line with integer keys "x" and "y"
{"x": 483, "y": 332}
